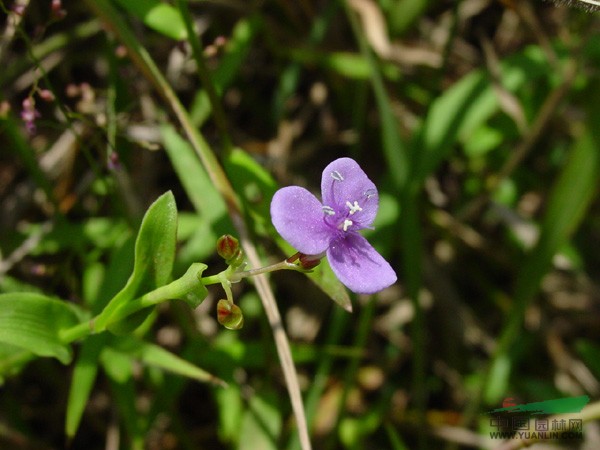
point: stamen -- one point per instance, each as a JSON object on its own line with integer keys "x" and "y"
{"x": 347, "y": 223}
{"x": 328, "y": 210}
{"x": 370, "y": 193}
{"x": 353, "y": 207}
{"x": 337, "y": 176}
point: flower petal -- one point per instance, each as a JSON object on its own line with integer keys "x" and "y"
{"x": 298, "y": 218}
{"x": 358, "y": 265}
{"x": 344, "y": 183}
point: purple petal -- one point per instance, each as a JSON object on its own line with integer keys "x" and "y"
{"x": 298, "y": 218}
{"x": 344, "y": 183}
{"x": 358, "y": 265}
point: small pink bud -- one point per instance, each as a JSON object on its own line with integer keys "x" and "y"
{"x": 46, "y": 95}
{"x": 56, "y": 9}
{"x": 220, "y": 41}
{"x": 18, "y": 9}
{"x": 113, "y": 162}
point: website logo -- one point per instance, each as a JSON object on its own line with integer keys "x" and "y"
{"x": 548, "y": 420}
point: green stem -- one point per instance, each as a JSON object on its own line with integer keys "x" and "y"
{"x": 234, "y": 277}
{"x": 176, "y": 289}
{"x": 79, "y": 331}
{"x": 283, "y": 265}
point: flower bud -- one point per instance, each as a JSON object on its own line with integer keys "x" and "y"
{"x": 46, "y": 95}
{"x": 57, "y": 11}
{"x": 229, "y": 315}
{"x": 306, "y": 262}
{"x": 229, "y": 249}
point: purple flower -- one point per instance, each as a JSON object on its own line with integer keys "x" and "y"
{"x": 350, "y": 203}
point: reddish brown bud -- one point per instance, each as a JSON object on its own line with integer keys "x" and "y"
{"x": 306, "y": 262}
{"x": 229, "y": 315}
{"x": 227, "y": 247}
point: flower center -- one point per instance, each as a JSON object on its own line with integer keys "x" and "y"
{"x": 342, "y": 215}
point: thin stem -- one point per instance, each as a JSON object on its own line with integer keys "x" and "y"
{"x": 234, "y": 277}
{"x": 282, "y": 344}
{"x": 204, "y": 75}
{"x": 12, "y": 24}
{"x": 283, "y": 265}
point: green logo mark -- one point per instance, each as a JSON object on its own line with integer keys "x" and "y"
{"x": 557, "y": 406}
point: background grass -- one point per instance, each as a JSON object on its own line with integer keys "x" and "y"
{"x": 478, "y": 120}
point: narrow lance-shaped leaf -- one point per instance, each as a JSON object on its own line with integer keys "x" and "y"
{"x": 82, "y": 382}
{"x": 154, "y": 355}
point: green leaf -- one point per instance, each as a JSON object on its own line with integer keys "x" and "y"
{"x": 117, "y": 365}
{"x": 255, "y": 186}
{"x": 159, "y": 16}
{"x": 261, "y": 425}
{"x": 84, "y": 375}
{"x": 212, "y": 219}
{"x": 196, "y": 296}
{"x": 12, "y": 360}
{"x": 33, "y": 322}
{"x": 196, "y": 182}
{"x": 118, "y": 271}
{"x": 154, "y": 258}
{"x": 323, "y": 276}
{"x": 155, "y": 244}
{"x": 154, "y": 355}
{"x": 230, "y": 409}
{"x": 349, "y": 65}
